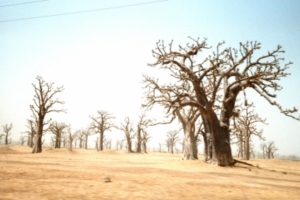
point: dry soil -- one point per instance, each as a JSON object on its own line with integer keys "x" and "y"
{"x": 88, "y": 174}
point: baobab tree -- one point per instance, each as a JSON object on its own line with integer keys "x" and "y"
{"x": 57, "y": 129}
{"x": 6, "y": 129}
{"x": 43, "y": 103}
{"x": 216, "y": 80}
{"x": 22, "y": 139}
{"x": 100, "y": 124}
{"x": 71, "y": 137}
{"x": 81, "y": 138}
{"x": 244, "y": 126}
{"x": 119, "y": 144}
{"x": 172, "y": 139}
{"x": 268, "y": 149}
{"x": 127, "y": 128}
{"x": 31, "y": 125}
{"x": 187, "y": 116}
{"x": 145, "y": 139}
{"x": 142, "y": 125}
{"x": 86, "y": 133}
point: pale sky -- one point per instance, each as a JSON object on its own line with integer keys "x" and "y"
{"x": 99, "y": 57}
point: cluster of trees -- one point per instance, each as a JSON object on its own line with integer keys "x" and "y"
{"x": 204, "y": 86}
{"x": 6, "y": 136}
{"x": 201, "y": 93}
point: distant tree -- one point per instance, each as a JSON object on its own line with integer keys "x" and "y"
{"x": 270, "y": 149}
{"x": 57, "y": 129}
{"x": 6, "y": 129}
{"x": 81, "y": 136}
{"x": 100, "y": 124}
{"x": 127, "y": 128}
{"x": 43, "y": 104}
{"x": 52, "y": 141}
{"x": 71, "y": 137}
{"x": 31, "y": 125}
{"x": 86, "y": 132}
{"x": 142, "y": 125}
{"x": 145, "y": 139}
{"x": 119, "y": 144}
{"x": 159, "y": 147}
{"x": 244, "y": 127}
{"x": 96, "y": 144}
{"x": 22, "y": 139}
{"x": 107, "y": 143}
{"x": 172, "y": 139}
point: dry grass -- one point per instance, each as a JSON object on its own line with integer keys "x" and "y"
{"x": 83, "y": 174}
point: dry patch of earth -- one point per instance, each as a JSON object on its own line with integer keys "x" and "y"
{"x": 88, "y": 174}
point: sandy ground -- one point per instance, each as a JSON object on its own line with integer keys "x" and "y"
{"x": 83, "y": 174}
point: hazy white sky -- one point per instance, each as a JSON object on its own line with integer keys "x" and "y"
{"x": 99, "y": 57}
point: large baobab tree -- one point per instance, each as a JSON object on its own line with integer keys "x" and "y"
{"x": 57, "y": 129}
{"x": 6, "y": 129}
{"x": 244, "y": 126}
{"x": 217, "y": 80}
{"x": 43, "y": 103}
{"x": 100, "y": 124}
{"x": 127, "y": 128}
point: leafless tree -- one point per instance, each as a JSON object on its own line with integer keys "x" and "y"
{"x": 119, "y": 144}
{"x": 86, "y": 132}
{"x": 163, "y": 95}
{"x": 22, "y": 139}
{"x": 223, "y": 75}
{"x": 145, "y": 139}
{"x": 100, "y": 124}
{"x": 172, "y": 139}
{"x": 43, "y": 104}
{"x": 244, "y": 127}
{"x": 6, "y": 129}
{"x": 52, "y": 141}
{"x": 81, "y": 138}
{"x": 107, "y": 143}
{"x": 96, "y": 143}
{"x": 142, "y": 125}
{"x": 57, "y": 129}
{"x": 127, "y": 127}
{"x": 159, "y": 147}
{"x": 31, "y": 125}
{"x": 269, "y": 149}
{"x": 71, "y": 137}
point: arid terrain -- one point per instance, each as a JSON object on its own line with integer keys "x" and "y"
{"x": 88, "y": 174}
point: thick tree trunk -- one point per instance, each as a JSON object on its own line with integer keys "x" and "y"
{"x": 38, "y": 139}
{"x": 144, "y": 146}
{"x": 86, "y": 142}
{"x": 190, "y": 145}
{"x": 57, "y": 141}
{"x": 101, "y": 141}
{"x": 246, "y": 149}
{"x": 221, "y": 149}
{"x": 139, "y": 140}
{"x": 129, "y": 150}
{"x": 207, "y": 139}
